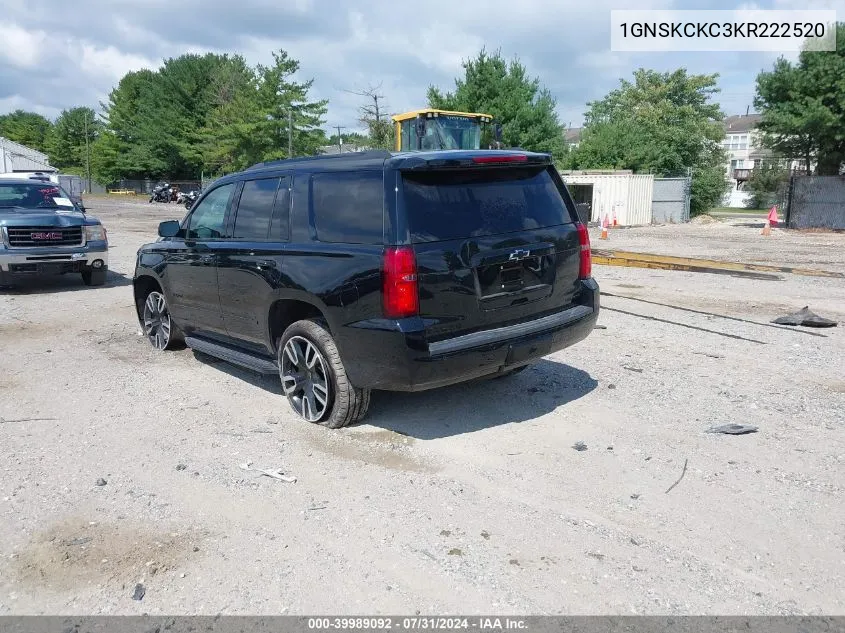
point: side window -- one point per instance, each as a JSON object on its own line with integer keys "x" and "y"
{"x": 280, "y": 225}
{"x": 255, "y": 208}
{"x": 208, "y": 219}
{"x": 406, "y": 135}
{"x": 349, "y": 207}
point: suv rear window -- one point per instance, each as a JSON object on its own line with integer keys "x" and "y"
{"x": 349, "y": 207}
{"x": 473, "y": 203}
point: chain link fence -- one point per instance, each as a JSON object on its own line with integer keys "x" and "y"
{"x": 145, "y": 187}
{"x": 815, "y": 202}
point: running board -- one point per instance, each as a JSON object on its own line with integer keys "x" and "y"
{"x": 236, "y": 357}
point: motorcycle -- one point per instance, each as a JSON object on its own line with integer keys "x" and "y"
{"x": 189, "y": 198}
{"x": 162, "y": 193}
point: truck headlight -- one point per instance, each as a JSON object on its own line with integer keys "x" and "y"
{"x": 95, "y": 233}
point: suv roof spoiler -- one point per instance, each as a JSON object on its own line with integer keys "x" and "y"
{"x": 471, "y": 159}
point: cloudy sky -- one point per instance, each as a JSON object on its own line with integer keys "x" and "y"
{"x": 57, "y": 54}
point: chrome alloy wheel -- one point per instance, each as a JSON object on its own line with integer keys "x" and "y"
{"x": 305, "y": 378}
{"x": 156, "y": 320}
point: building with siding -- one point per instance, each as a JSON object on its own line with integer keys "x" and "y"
{"x": 15, "y": 157}
{"x": 614, "y": 194}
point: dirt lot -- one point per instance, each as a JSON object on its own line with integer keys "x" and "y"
{"x": 469, "y": 499}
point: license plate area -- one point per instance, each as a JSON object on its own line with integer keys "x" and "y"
{"x": 510, "y": 283}
{"x": 537, "y": 347}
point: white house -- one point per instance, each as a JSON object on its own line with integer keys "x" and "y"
{"x": 745, "y": 150}
{"x": 572, "y": 137}
{"x": 16, "y": 157}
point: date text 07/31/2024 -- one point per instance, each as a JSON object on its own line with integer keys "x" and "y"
{"x": 416, "y": 623}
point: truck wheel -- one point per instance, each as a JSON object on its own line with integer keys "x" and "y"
{"x": 94, "y": 276}
{"x": 157, "y": 326}
{"x": 314, "y": 379}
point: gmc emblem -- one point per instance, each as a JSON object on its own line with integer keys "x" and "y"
{"x": 45, "y": 236}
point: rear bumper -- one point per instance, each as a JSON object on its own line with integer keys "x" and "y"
{"x": 401, "y": 361}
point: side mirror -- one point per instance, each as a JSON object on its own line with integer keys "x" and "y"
{"x": 170, "y": 228}
{"x": 497, "y": 131}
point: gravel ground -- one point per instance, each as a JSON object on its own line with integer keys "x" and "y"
{"x": 121, "y": 465}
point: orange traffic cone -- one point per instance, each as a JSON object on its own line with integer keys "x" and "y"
{"x": 771, "y": 220}
{"x": 773, "y": 215}
{"x": 604, "y": 228}
{"x": 614, "y": 216}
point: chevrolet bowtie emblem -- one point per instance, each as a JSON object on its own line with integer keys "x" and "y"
{"x": 518, "y": 254}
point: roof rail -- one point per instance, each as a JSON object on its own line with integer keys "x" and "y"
{"x": 375, "y": 153}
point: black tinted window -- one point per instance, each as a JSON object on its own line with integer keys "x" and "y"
{"x": 255, "y": 208}
{"x": 460, "y": 204}
{"x": 208, "y": 218}
{"x": 349, "y": 207}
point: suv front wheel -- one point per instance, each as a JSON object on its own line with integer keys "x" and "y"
{"x": 157, "y": 326}
{"x": 314, "y": 379}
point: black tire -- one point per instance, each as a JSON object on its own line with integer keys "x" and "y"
{"x": 156, "y": 324}
{"x": 94, "y": 276}
{"x": 344, "y": 404}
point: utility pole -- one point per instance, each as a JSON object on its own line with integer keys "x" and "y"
{"x": 290, "y": 132}
{"x": 339, "y": 138}
{"x": 87, "y": 154}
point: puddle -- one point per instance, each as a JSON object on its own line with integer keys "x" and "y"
{"x": 29, "y": 330}
{"x": 385, "y": 436}
{"x": 74, "y": 552}
{"x": 125, "y": 346}
{"x": 384, "y": 448}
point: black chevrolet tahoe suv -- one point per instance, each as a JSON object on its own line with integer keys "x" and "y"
{"x": 373, "y": 270}
{"x": 45, "y": 232}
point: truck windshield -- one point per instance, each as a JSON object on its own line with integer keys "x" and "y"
{"x": 451, "y": 132}
{"x": 34, "y": 196}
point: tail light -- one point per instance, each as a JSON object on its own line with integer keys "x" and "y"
{"x": 585, "y": 270}
{"x": 400, "y": 294}
{"x": 500, "y": 158}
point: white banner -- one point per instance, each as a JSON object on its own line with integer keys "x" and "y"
{"x": 736, "y": 30}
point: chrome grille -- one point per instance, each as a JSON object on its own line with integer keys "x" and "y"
{"x": 37, "y": 236}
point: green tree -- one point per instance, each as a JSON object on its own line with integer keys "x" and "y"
{"x": 374, "y": 116}
{"x": 71, "y": 137}
{"x": 349, "y": 138}
{"x": 504, "y": 90}
{"x": 206, "y": 113}
{"x": 128, "y": 118}
{"x": 254, "y": 112}
{"x": 660, "y": 123}
{"x": 803, "y": 107}
{"x": 107, "y": 159}
{"x": 27, "y": 128}
{"x": 765, "y": 185}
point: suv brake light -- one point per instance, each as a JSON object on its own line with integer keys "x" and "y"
{"x": 400, "y": 296}
{"x": 585, "y": 270}
{"x": 498, "y": 158}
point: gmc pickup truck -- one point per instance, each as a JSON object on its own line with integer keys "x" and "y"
{"x": 44, "y": 232}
